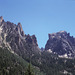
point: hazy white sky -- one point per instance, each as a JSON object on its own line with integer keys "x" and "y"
{"x": 40, "y": 17}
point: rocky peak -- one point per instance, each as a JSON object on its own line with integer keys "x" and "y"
{"x": 34, "y": 40}
{"x": 61, "y": 43}
{"x": 1, "y": 19}
{"x": 62, "y": 32}
{"x": 58, "y": 35}
{"x": 31, "y": 39}
{"x": 20, "y": 26}
{"x": 13, "y": 38}
{"x": 19, "y": 29}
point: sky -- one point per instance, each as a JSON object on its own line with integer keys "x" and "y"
{"x": 40, "y": 17}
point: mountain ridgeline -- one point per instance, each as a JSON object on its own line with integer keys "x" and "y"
{"x": 12, "y": 36}
{"x": 57, "y": 58}
{"x": 61, "y": 43}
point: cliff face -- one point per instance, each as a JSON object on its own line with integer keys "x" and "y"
{"x": 61, "y": 43}
{"x": 12, "y": 36}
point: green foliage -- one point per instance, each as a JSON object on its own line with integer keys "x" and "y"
{"x": 29, "y": 70}
{"x": 53, "y": 65}
{"x": 42, "y": 64}
{"x": 11, "y": 64}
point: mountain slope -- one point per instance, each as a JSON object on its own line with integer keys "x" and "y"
{"x": 13, "y": 38}
{"x": 11, "y": 64}
{"x": 51, "y": 64}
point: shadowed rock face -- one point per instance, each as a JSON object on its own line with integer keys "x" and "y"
{"x": 61, "y": 43}
{"x": 12, "y": 36}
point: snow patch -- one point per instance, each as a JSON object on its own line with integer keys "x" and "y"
{"x": 50, "y": 51}
{"x": 65, "y": 72}
{"x": 63, "y": 56}
{"x": 68, "y": 56}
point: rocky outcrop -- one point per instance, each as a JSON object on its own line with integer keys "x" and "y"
{"x": 12, "y": 36}
{"x": 19, "y": 29}
{"x": 61, "y": 43}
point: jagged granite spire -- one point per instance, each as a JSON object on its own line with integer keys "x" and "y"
{"x": 20, "y": 26}
{"x": 19, "y": 29}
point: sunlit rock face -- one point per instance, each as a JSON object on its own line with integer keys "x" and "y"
{"x": 1, "y": 19}
{"x": 61, "y": 43}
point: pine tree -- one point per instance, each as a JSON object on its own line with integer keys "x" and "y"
{"x": 29, "y": 70}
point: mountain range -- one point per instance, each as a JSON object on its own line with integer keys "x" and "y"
{"x": 57, "y": 58}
